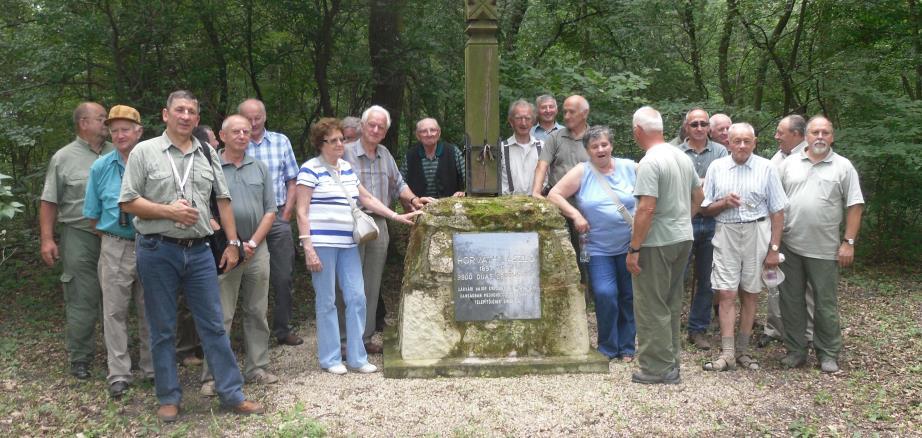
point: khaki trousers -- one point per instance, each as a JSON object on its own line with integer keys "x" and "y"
{"x": 774, "y": 326}
{"x": 118, "y": 277}
{"x": 658, "y": 293}
{"x": 250, "y": 283}
{"x": 823, "y": 277}
{"x": 82, "y": 296}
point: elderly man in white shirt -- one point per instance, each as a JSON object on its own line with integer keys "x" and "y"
{"x": 519, "y": 155}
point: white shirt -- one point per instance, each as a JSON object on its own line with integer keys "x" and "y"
{"x": 779, "y": 156}
{"x": 523, "y": 159}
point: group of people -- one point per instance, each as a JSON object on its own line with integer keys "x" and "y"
{"x": 135, "y": 217}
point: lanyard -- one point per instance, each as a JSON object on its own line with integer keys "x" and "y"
{"x": 181, "y": 181}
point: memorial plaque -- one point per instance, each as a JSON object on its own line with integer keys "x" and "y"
{"x": 496, "y": 276}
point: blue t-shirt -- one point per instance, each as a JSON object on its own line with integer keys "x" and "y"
{"x": 609, "y": 234}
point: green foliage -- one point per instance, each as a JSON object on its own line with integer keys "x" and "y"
{"x": 8, "y": 207}
{"x": 295, "y": 424}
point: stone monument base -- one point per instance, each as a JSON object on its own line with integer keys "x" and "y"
{"x": 397, "y": 368}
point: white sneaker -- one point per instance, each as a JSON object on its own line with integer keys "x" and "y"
{"x": 207, "y": 389}
{"x": 338, "y": 369}
{"x": 366, "y": 369}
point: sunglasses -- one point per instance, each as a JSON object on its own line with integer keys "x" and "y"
{"x": 699, "y": 124}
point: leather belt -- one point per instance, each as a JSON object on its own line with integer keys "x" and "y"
{"x": 761, "y": 219}
{"x": 188, "y": 243}
{"x": 116, "y": 236}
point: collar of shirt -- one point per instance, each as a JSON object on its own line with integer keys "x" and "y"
{"x": 166, "y": 143}
{"x": 359, "y": 150}
{"x": 687, "y": 147}
{"x": 826, "y": 159}
{"x": 748, "y": 162}
{"x": 246, "y": 160}
{"x": 532, "y": 141}
{"x": 565, "y": 132}
{"x": 438, "y": 150}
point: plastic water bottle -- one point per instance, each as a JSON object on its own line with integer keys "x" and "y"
{"x": 583, "y": 250}
{"x": 773, "y": 277}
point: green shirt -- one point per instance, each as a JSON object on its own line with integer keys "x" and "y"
{"x": 65, "y": 181}
{"x": 668, "y": 175}
{"x": 150, "y": 175}
{"x": 561, "y": 151}
{"x": 254, "y": 196}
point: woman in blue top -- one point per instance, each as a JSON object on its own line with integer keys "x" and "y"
{"x": 325, "y": 226}
{"x": 609, "y": 234}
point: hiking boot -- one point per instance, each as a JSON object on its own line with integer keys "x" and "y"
{"x": 829, "y": 365}
{"x": 670, "y": 378}
{"x": 793, "y": 360}
{"x": 262, "y": 377}
{"x": 699, "y": 340}
{"x": 248, "y": 407}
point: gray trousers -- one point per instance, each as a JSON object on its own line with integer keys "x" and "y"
{"x": 82, "y": 295}
{"x": 373, "y": 255}
{"x": 774, "y": 326}
{"x": 118, "y": 277}
{"x": 250, "y": 283}
{"x": 281, "y": 260}
{"x": 823, "y": 276}
{"x": 658, "y": 291}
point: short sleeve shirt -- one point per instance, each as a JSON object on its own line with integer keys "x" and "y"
{"x": 712, "y": 151}
{"x": 818, "y": 194}
{"x": 65, "y": 181}
{"x": 668, "y": 175}
{"x": 779, "y": 156}
{"x": 330, "y": 212}
{"x": 251, "y": 186}
{"x": 150, "y": 175}
{"x": 274, "y": 149}
{"x": 755, "y": 181}
{"x": 380, "y": 176}
{"x": 102, "y": 191}
{"x": 561, "y": 151}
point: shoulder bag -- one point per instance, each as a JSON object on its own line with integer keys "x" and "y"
{"x": 364, "y": 227}
{"x": 217, "y": 241}
{"x": 614, "y": 197}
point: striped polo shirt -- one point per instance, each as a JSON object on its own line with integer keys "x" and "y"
{"x": 330, "y": 214}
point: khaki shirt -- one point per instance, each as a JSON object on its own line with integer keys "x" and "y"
{"x": 65, "y": 181}
{"x": 818, "y": 195}
{"x": 148, "y": 174}
{"x": 254, "y": 196}
{"x": 667, "y": 174}
{"x": 561, "y": 151}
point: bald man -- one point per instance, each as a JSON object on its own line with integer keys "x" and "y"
{"x": 433, "y": 167}
{"x": 62, "y": 202}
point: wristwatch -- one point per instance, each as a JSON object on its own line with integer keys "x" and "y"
{"x": 774, "y": 248}
{"x": 632, "y": 250}
{"x": 235, "y": 243}
{"x": 252, "y": 243}
{"x": 849, "y": 241}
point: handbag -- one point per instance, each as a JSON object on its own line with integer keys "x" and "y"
{"x": 364, "y": 227}
{"x": 626, "y": 215}
{"x": 217, "y": 241}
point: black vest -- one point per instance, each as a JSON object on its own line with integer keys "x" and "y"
{"x": 446, "y": 177}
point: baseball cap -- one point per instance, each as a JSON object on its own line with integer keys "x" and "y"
{"x": 123, "y": 112}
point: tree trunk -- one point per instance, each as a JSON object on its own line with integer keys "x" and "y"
{"x": 688, "y": 24}
{"x": 217, "y": 49}
{"x": 252, "y": 70}
{"x": 514, "y": 12}
{"x": 768, "y": 43}
{"x": 916, "y": 55}
{"x": 722, "y": 53}
{"x": 323, "y": 49}
{"x": 388, "y": 65}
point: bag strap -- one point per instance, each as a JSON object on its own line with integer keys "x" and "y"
{"x": 213, "y": 198}
{"x": 335, "y": 175}
{"x": 611, "y": 194}
{"x": 508, "y": 166}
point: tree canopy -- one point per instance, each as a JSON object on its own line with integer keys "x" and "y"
{"x": 855, "y": 61}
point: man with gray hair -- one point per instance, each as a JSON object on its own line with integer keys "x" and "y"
{"x": 378, "y": 172}
{"x": 741, "y": 191}
{"x": 433, "y": 167}
{"x": 519, "y": 154}
{"x": 352, "y": 129}
{"x": 668, "y": 193}
{"x": 564, "y": 148}
{"x": 62, "y": 202}
{"x": 720, "y": 128}
{"x": 823, "y": 189}
{"x": 790, "y": 137}
{"x": 274, "y": 149}
{"x": 547, "y": 117}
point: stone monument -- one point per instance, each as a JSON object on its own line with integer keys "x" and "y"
{"x": 490, "y": 288}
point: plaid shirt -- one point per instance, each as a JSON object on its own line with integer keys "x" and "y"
{"x": 275, "y": 150}
{"x": 379, "y": 176}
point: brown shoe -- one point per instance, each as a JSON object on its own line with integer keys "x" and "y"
{"x": 290, "y": 339}
{"x": 372, "y": 348}
{"x": 700, "y": 340}
{"x": 168, "y": 413}
{"x": 191, "y": 361}
{"x": 248, "y": 407}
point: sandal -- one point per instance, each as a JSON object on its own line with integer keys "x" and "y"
{"x": 721, "y": 364}
{"x": 746, "y": 361}
{"x": 627, "y": 359}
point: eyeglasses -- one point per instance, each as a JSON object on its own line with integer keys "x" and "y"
{"x": 699, "y": 124}
{"x": 522, "y": 118}
{"x": 241, "y": 131}
{"x": 336, "y": 140}
{"x": 429, "y": 131}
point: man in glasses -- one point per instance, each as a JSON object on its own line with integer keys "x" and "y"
{"x": 434, "y": 168}
{"x": 702, "y": 152}
{"x": 118, "y": 273}
{"x": 62, "y": 202}
{"x": 521, "y": 151}
{"x": 167, "y": 184}
{"x": 274, "y": 149}
{"x": 377, "y": 170}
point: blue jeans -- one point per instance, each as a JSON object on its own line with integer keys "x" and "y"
{"x": 345, "y": 265}
{"x": 614, "y": 304}
{"x": 699, "y": 315}
{"x": 164, "y": 268}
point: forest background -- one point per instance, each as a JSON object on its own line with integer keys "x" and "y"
{"x": 858, "y": 62}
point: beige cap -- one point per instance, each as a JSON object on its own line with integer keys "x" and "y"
{"x": 123, "y": 112}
